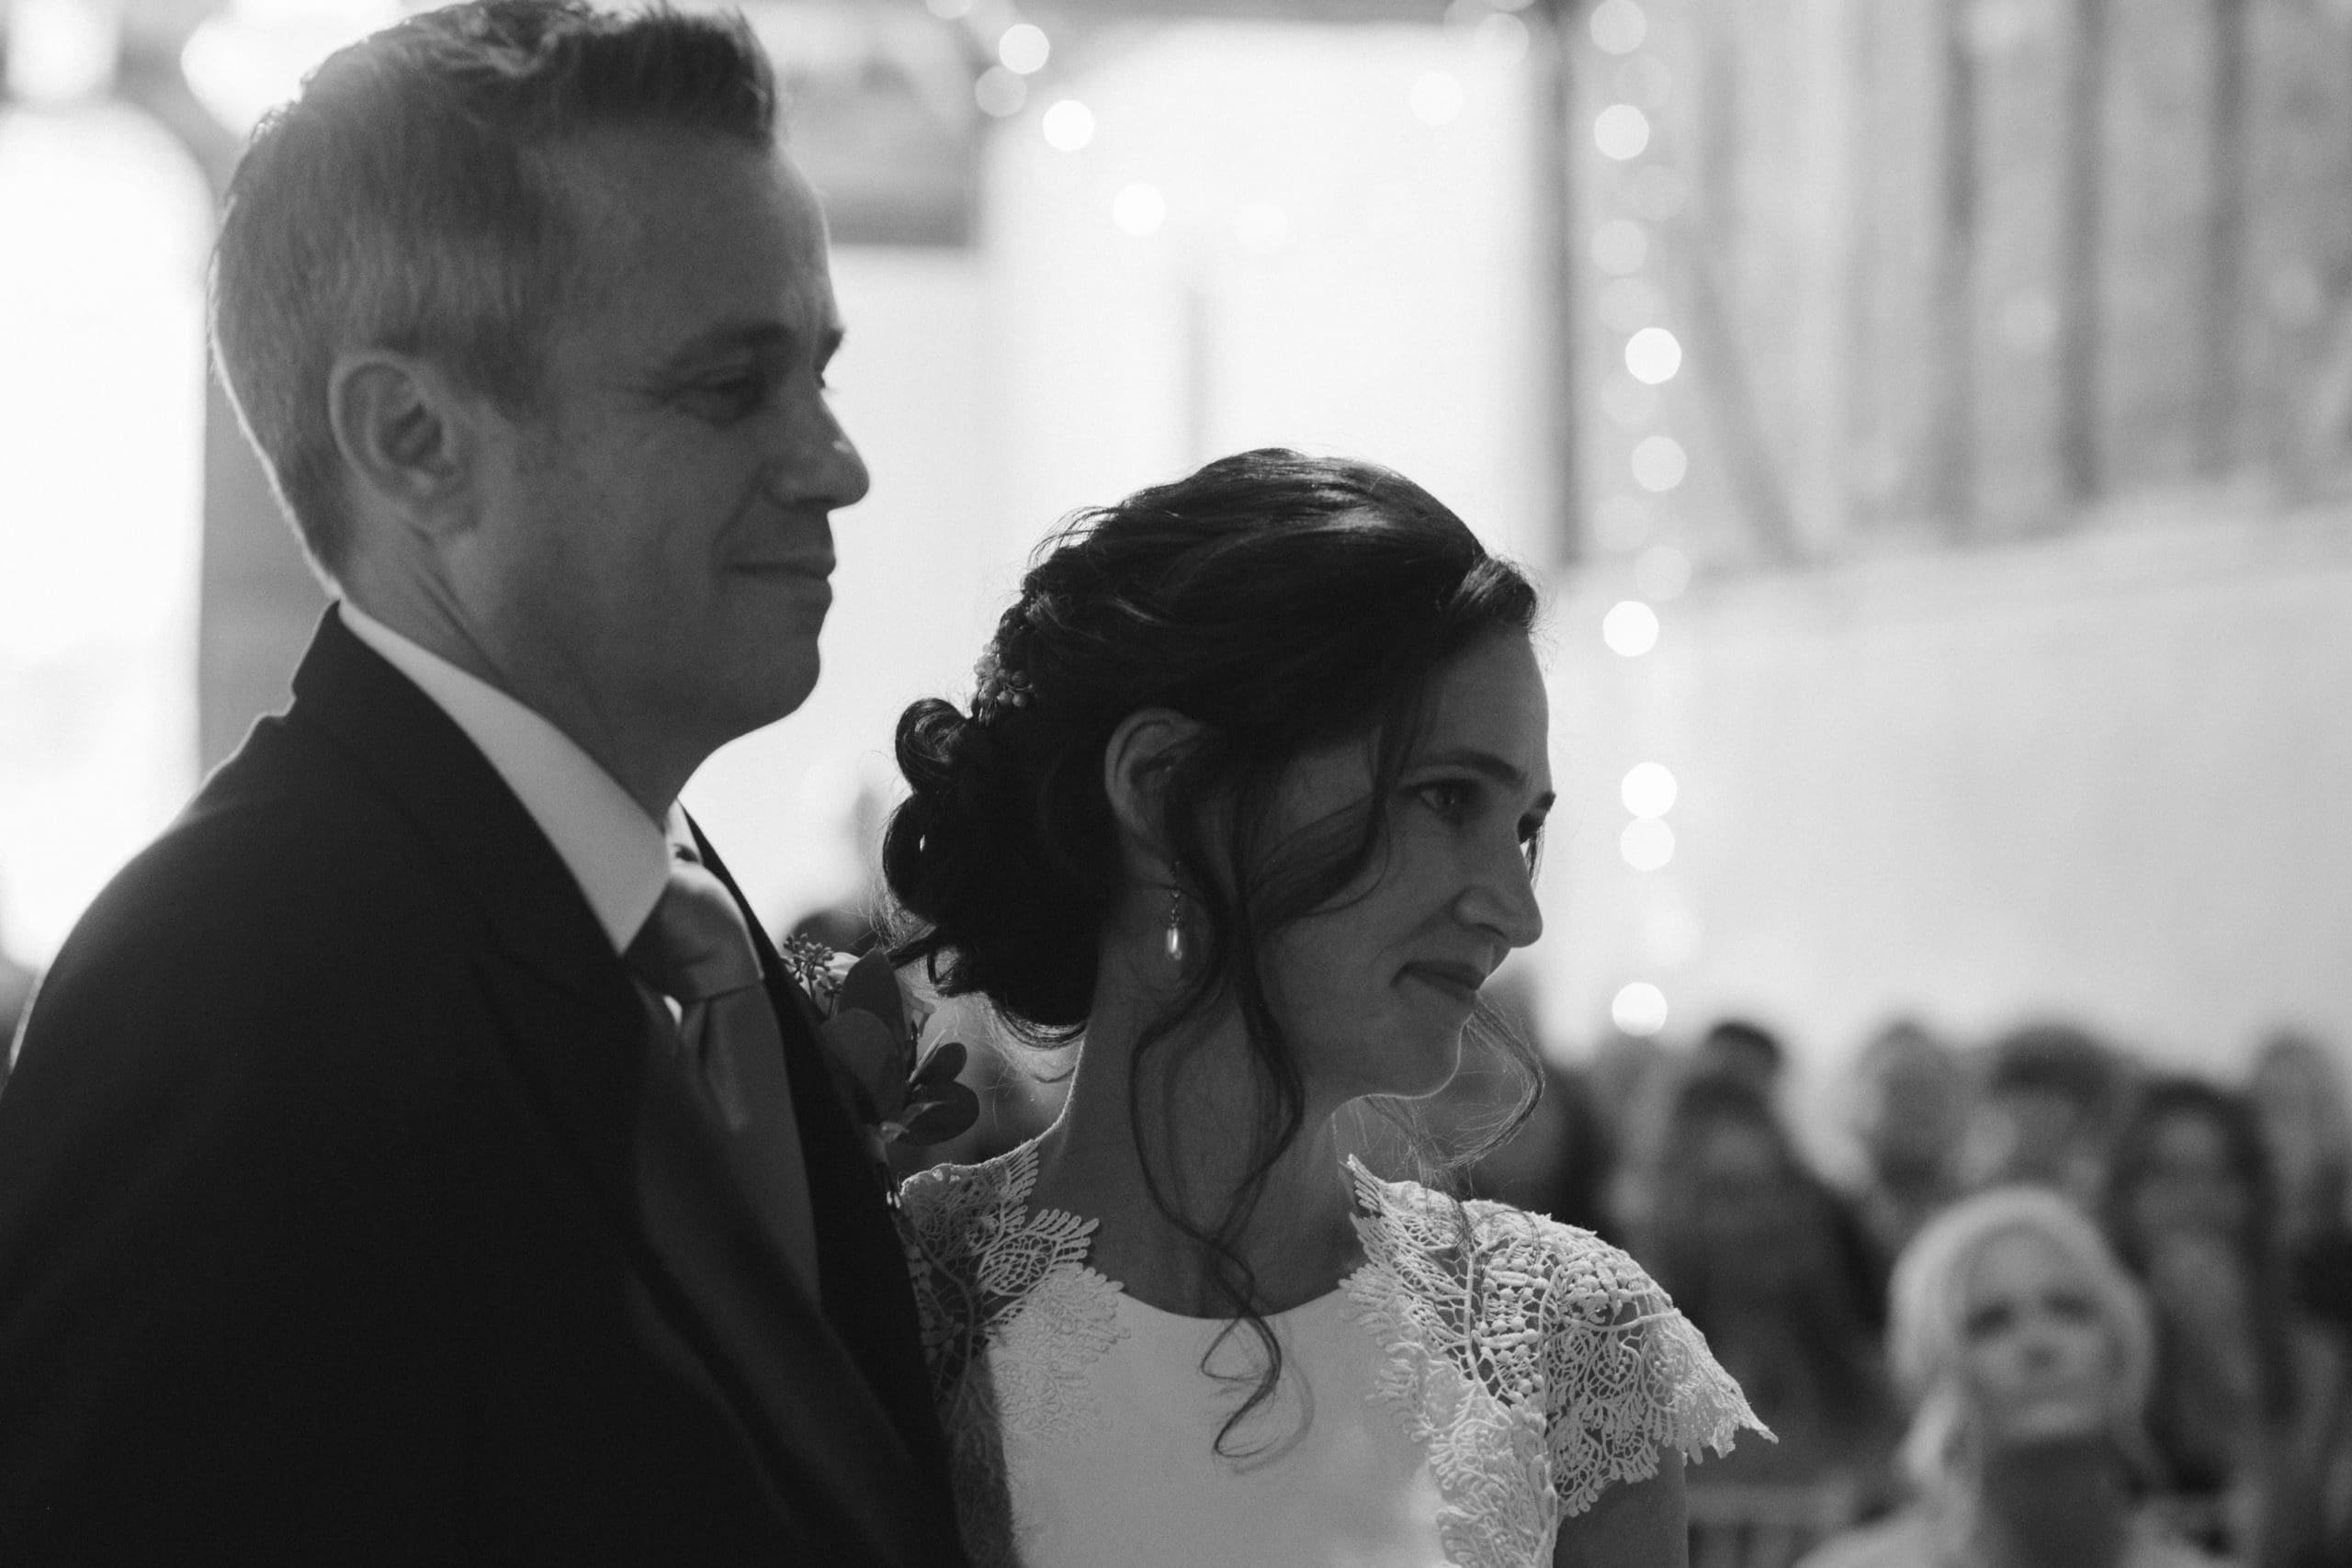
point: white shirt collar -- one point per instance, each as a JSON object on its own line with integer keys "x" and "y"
{"x": 619, "y": 856}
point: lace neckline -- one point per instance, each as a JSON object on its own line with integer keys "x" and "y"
{"x": 1333, "y": 1300}
{"x": 1534, "y": 1364}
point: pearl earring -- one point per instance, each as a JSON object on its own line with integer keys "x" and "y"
{"x": 1174, "y": 944}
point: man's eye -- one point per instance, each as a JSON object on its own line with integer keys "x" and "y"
{"x": 741, "y": 392}
{"x": 722, "y": 400}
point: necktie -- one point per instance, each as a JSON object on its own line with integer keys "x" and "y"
{"x": 695, "y": 950}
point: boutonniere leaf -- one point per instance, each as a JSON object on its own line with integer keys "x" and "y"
{"x": 872, "y": 1036}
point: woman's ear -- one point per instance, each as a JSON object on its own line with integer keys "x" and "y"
{"x": 1147, "y": 744}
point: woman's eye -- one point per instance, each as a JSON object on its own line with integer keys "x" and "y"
{"x": 2073, "y": 1308}
{"x": 1450, "y": 798}
{"x": 1986, "y": 1322}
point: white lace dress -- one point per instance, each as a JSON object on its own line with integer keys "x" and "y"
{"x": 1449, "y": 1404}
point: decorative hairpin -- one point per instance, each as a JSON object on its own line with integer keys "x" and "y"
{"x": 995, "y": 688}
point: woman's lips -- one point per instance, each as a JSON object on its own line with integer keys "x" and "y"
{"x": 1458, "y": 981}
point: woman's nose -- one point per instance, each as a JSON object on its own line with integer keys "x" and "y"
{"x": 1501, "y": 898}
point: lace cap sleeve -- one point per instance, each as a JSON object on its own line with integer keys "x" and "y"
{"x": 1540, "y": 1364}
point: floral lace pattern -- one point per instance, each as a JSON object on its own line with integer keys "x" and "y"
{"x": 988, "y": 1271}
{"x": 1536, "y": 1363}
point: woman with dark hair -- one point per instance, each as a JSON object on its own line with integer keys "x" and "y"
{"x": 2190, "y": 1207}
{"x": 1759, "y": 1252}
{"x": 1248, "y": 797}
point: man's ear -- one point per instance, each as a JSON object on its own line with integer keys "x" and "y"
{"x": 411, "y": 437}
{"x": 1146, "y": 745}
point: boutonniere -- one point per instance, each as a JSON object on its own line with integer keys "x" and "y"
{"x": 869, "y": 1031}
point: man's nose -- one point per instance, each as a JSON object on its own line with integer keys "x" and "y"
{"x": 816, "y": 461}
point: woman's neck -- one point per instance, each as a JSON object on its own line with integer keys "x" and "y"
{"x": 2055, "y": 1504}
{"x": 1193, "y": 1122}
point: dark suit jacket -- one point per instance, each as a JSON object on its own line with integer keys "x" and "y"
{"x": 338, "y": 1221}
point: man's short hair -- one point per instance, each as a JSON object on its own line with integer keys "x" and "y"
{"x": 410, "y": 199}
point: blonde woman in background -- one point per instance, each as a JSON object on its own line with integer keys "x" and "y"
{"x": 2027, "y": 1352}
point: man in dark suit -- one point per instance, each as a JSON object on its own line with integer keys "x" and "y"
{"x": 371, "y": 1186}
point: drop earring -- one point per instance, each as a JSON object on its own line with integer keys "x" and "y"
{"x": 1174, "y": 943}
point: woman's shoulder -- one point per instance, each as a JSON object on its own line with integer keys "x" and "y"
{"x": 2157, "y": 1544}
{"x": 1429, "y": 1237}
{"x": 1542, "y": 1319}
{"x": 961, "y": 1197}
{"x": 977, "y": 1220}
{"x": 1903, "y": 1539}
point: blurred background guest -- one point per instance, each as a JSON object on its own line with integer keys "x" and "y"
{"x": 2047, "y": 1105}
{"x": 1753, "y": 1248}
{"x": 1745, "y": 1051}
{"x": 2297, "y": 1098}
{"x": 1559, "y": 1161}
{"x": 2026, "y": 1352}
{"x": 1910, "y": 1104}
{"x": 16, "y": 995}
{"x": 2189, "y": 1208}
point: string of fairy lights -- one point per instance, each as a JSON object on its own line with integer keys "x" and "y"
{"x": 1018, "y": 51}
{"x": 1644, "y": 191}
{"x": 1015, "y": 85}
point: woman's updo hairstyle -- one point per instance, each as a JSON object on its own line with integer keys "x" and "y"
{"x": 1282, "y": 601}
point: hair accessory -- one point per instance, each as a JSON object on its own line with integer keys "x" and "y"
{"x": 995, "y": 688}
{"x": 1175, "y": 939}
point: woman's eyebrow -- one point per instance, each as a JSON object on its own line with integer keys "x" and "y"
{"x": 1484, "y": 762}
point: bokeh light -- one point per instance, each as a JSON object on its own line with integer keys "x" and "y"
{"x": 1024, "y": 48}
{"x": 1618, "y": 26}
{"x": 1502, "y": 37}
{"x": 1659, "y": 193}
{"x": 1619, "y": 521}
{"x": 1643, "y": 80}
{"x": 1628, "y": 304}
{"x": 1069, "y": 126}
{"x": 1000, "y": 92}
{"x": 1630, "y": 629}
{"x": 1653, "y": 355}
{"x": 1649, "y": 789}
{"x": 1639, "y": 1009}
{"x": 1435, "y": 98}
{"x": 1663, "y": 572}
{"x": 1621, "y": 131}
{"x": 1619, "y": 246}
{"x": 1660, "y": 463}
{"x": 1646, "y": 843}
{"x": 1140, "y": 209}
{"x": 1629, "y": 405}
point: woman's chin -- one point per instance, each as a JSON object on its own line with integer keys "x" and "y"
{"x": 2050, "y": 1421}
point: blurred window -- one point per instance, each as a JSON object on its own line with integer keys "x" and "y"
{"x": 101, "y": 447}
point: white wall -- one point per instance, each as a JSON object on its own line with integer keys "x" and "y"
{"x": 2105, "y": 777}
{"x": 917, "y": 588}
{"x": 104, "y": 224}
{"x": 1348, "y": 265}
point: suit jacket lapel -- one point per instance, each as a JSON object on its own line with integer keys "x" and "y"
{"x": 577, "y": 1033}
